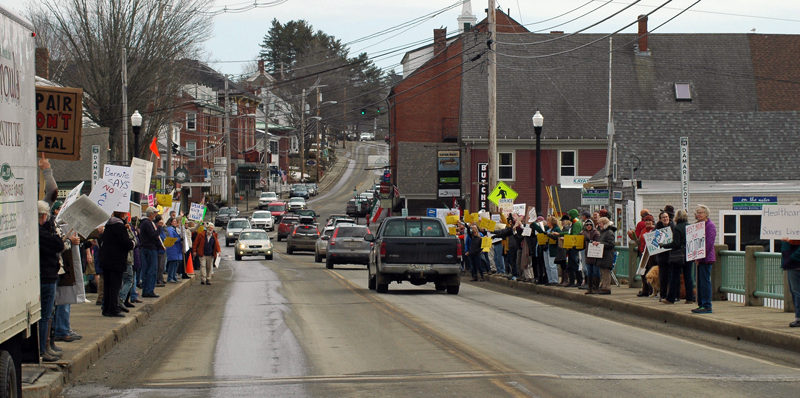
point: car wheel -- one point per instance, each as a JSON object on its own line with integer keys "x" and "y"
{"x": 381, "y": 286}
{"x": 328, "y": 263}
{"x": 452, "y": 289}
{"x": 371, "y": 282}
{"x": 317, "y": 258}
{"x": 440, "y": 287}
{"x": 238, "y": 257}
{"x": 269, "y": 257}
{"x": 289, "y": 250}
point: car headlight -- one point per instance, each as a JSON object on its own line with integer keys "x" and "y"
{"x": 241, "y": 246}
{"x": 230, "y": 234}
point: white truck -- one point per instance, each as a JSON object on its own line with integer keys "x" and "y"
{"x": 19, "y": 235}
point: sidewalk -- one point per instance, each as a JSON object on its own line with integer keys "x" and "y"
{"x": 100, "y": 335}
{"x": 760, "y": 325}
{"x": 331, "y": 177}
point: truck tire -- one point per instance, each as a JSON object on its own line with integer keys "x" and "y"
{"x": 317, "y": 258}
{"x": 381, "y": 286}
{"x": 452, "y": 289}
{"x": 8, "y": 376}
{"x": 440, "y": 286}
{"x": 328, "y": 263}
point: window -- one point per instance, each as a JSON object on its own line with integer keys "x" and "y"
{"x": 191, "y": 121}
{"x": 505, "y": 168}
{"x": 273, "y": 147}
{"x": 683, "y": 92}
{"x": 742, "y": 228}
{"x": 567, "y": 163}
{"x": 191, "y": 148}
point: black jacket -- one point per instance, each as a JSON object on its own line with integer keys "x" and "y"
{"x": 607, "y": 237}
{"x": 677, "y": 256}
{"x": 114, "y": 246}
{"x": 50, "y": 248}
{"x": 148, "y": 235}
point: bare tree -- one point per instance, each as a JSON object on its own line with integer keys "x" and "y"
{"x": 90, "y": 35}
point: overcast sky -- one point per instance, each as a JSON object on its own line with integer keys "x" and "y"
{"x": 237, "y": 36}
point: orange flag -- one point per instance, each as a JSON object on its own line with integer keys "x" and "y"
{"x": 154, "y": 148}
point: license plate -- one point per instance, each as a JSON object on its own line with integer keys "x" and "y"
{"x": 420, "y": 267}
{"x": 255, "y": 247}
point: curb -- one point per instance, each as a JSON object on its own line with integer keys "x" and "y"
{"x": 59, "y": 374}
{"x": 695, "y": 321}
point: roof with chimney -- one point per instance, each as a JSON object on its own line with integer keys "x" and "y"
{"x": 723, "y": 145}
{"x": 566, "y": 78}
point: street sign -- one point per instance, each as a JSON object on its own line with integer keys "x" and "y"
{"x": 684, "y": 145}
{"x": 502, "y": 191}
{"x": 311, "y": 162}
{"x": 594, "y": 197}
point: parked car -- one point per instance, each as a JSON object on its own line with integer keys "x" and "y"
{"x": 367, "y": 195}
{"x": 286, "y": 226}
{"x": 296, "y": 203}
{"x": 234, "y": 228}
{"x": 298, "y": 190}
{"x": 303, "y": 237}
{"x": 416, "y": 249}
{"x": 278, "y": 210}
{"x": 266, "y": 198}
{"x": 262, "y": 219}
{"x": 312, "y": 188}
{"x": 347, "y": 246}
{"x": 224, "y": 215}
{"x": 253, "y": 242}
{"x": 321, "y": 247}
{"x": 366, "y": 137}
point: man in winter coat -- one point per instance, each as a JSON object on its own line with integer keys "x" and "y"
{"x": 206, "y": 247}
{"x": 606, "y": 263}
{"x": 150, "y": 243}
{"x": 114, "y": 247}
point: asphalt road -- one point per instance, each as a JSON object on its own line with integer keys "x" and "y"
{"x": 289, "y": 327}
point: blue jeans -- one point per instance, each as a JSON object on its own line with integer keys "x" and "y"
{"x": 134, "y": 294}
{"x": 499, "y": 262}
{"x": 61, "y": 320}
{"x": 794, "y": 287}
{"x": 704, "y": 285}
{"x": 172, "y": 270}
{"x": 48, "y": 301}
{"x": 149, "y": 269}
{"x": 551, "y": 268}
{"x": 592, "y": 271}
{"x": 511, "y": 261}
{"x": 127, "y": 283}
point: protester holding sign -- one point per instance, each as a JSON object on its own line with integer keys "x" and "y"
{"x": 590, "y": 234}
{"x": 704, "y": 265}
{"x": 641, "y": 241}
{"x": 676, "y": 259}
{"x": 174, "y": 251}
{"x": 114, "y": 248}
{"x": 790, "y": 254}
{"x": 150, "y": 243}
{"x": 553, "y": 230}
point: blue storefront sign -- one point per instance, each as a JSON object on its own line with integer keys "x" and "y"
{"x": 753, "y": 202}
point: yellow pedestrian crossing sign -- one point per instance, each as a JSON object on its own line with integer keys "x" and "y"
{"x": 502, "y": 191}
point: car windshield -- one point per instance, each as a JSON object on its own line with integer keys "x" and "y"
{"x": 254, "y": 236}
{"x": 351, "y": 232}
{"x": 413, "y": 228}
{"x": 227, "y": 210}
{"x": 306, "y": 212}
{"x": 261, "y": 215}
{"x": 276, "y": 207}
{"x": 239, "y": 224}
{"x": 306, "y": 229}
{"x": 264, "y": 194}
{"x": 328, "y": 232}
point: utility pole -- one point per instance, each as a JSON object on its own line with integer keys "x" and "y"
{"x": 266, "y": 140}
{"x": 319, "y": 150}
{"x": 302, "y": 135}
{"x": 610, "y": 131}
{"x": 492, "y": 69}
{"x": 169, "y": 154}
{"x": 228, "y": 185}
{"x": 125, "y": 161}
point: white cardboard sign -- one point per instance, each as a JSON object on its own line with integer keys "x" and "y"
{"x": 696, "y": 241}
{"x": 71, "y": 197}
{"x": 196, "y": 212}
{"x": 778, "y": 222}
{"x": 84, "y": 216}
{"x": 108, "y": 197}
{"x": 594, "y": 251}
{"x": 120, "y": 177}
{"x": 653, "y": 238}
{"x": 141, "y": 171}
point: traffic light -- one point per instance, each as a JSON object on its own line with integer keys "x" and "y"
{"x": 363, "y": 111}
{"x": 175, "y": 148}
{"x": 378, "y": 111}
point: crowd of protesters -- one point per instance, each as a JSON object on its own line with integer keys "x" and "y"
{"x": 126, "y": 259}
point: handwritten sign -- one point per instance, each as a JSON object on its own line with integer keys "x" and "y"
{"x": 121, "y": 178}
{"x": 141, "y": 170}
{"x": 505, "y": 206}
{"x": 151, "y": 200}
{"x": 519, "y": 208}
{"x": 59, "y": 113}
{"x": 653, "y": 238}
{"x": 164, "y": 199}
{"x": 196, "y": 212}
{"x": 486, "y": 243}
{"x": 595, "y": 251}
{"x": 778, "y": 222}
{"x": 71, "y": 197}
{"x": 135, "y": 210}
{"x": 84, "y": 216}
{"x": 527, "y": 231}
{"x": 109, "y": 197}
{"x": 452, "y": 220}
{"x": 696, "y": 241}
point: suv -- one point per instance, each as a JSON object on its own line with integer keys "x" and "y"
{"x": 266, "y": 198}
{"x": 262, "y": 219}
{"x": 224, "y": 215}
{"x": 286, "y": 226}
{"x": 234, "y": 228}
{"x": 303, "y": 237}
{"x": 296, "y": 203}
{"x": 299, "y": 190}
{"x": 312, "y": 189}
{"x": 347, "y": 245}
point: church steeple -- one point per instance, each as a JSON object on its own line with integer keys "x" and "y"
{"x": 466, "y": 20}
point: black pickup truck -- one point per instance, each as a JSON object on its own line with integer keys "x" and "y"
{"x": 414, "y": 249}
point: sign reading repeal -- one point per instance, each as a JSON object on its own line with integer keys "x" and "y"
{"x": 58, "y": 122}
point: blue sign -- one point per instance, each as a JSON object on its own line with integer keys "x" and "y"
{"x": 431, "y": 212}
{"x": 753, "y": 202}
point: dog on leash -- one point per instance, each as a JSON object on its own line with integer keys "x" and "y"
{"x": 652, "y": 278}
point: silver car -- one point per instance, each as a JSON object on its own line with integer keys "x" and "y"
{"x": 322, "y": 244}
{"x": 296, "y": 203}
{"x": 347, "y": 246}
{"x": 253, "y": 242}
{"x": 234, "y": 228}
{"x": 262, "y": 219}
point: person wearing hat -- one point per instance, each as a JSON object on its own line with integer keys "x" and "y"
{"x": 206, "y": 247}
{"x": 50, "y": 248}
{"x": 150, "y": 243}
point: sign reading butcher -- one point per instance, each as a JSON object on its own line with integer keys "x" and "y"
{"x": 58, "y": 122}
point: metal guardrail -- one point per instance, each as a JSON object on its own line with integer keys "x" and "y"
{"x": 769, "y": 276}
{"x": 732, "y": 263}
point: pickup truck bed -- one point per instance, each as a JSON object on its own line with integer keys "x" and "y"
{"x": 414, "y": 249}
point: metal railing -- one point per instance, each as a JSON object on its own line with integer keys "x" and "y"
{"x": 769, "y": 276}
{"x": 623, "y": 259}
{"x": 732, "y": 263}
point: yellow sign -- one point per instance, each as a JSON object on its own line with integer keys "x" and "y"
{"x": 452, "y": 231}
{"x": 164, "y": 199}
{"x": 573, "y": 242}
{"x": 486, "y": 244}
{"x": 542, "y": 239}
{"x": 170, "y": 241}
{"x": 452, "y": 220}
{"x": 487, "y": 224}
{"x": 502, "y": 191}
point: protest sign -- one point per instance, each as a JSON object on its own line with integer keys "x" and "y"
{"x": 573, "y": 242}
{"x": 452, "y": 231}
{"x": 595, "y": 251}
{"x": 532, "y": 215}
{"x": 176, "y": 207}
{"x": 486, "y": 243}
{"x": 541, "y": 239}
{"x": 196, "y": 212}
{"x": 73, "y": 194}
{"x": 643, "y": 263}
{"x": 452, "y": 220}
{"x": 527, "y": 231}
{"x": 164, "y": 199}
{"x": 496, "y": 218}
{"x": 187, "y": 240}
{"x": 519, "y": 208}
{"x": 506, "y": 206}
{"x": 121, "y": 178}
{"x": 170, "y": 241}
{"x": 141, "y": 170}
{"x": 653, "y": 238}
{"x": 108, "y": 197}
{"x": 778, "y": 222}
{"x": 151, "y": 200}
{"x": 135, "y": 210}
{"x": 696, "y": 241}
{"x": 84, "y": 216}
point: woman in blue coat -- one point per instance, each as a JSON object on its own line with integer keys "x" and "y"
{"x": 174, "y": 252}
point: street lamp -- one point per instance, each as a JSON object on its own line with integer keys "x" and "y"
{"x": 136, "y": 122}
{"x": 538, "y": 121}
